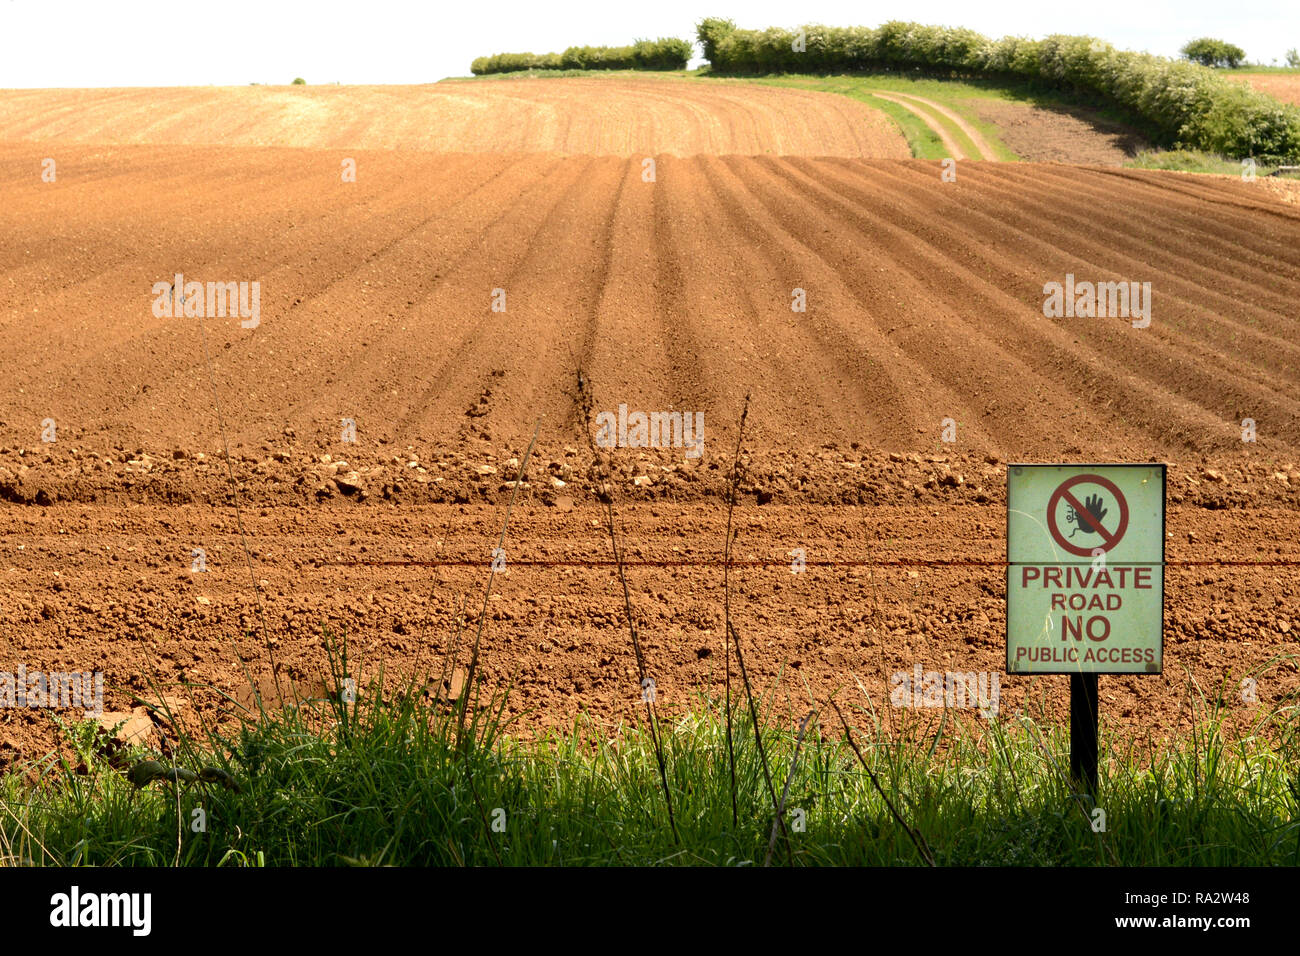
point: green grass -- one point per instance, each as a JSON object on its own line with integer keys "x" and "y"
{"x": 385, "y": 782}
{"x": 1195, "y": 161}
{"x": 1185, "y": 160}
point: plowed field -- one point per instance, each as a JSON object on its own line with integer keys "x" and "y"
{"x": 924, "y": 301}
{"x": 598, "y": 116}
{"x": 1284, "y": 86}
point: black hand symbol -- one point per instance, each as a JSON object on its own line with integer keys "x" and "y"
{"x": 1093, "y": 505}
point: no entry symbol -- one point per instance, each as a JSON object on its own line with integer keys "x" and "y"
{"x": 1096, "y": 508}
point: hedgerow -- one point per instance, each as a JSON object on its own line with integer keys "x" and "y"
{"x": 666, "y": 53}
{"x": 1188, "y": 106}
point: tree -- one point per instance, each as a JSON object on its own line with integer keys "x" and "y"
{"x": 1293, "y": 59}
{"x": 1208, "y": 51}
{"x": 299, "y": 81}
{"x": 711, "y": 31}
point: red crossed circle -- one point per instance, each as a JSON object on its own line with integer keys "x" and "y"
{"x": 1109, "y": 538}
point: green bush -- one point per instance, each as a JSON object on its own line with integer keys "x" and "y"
{"x": 666, "y": 53}
{"x": 509, "y": 62}
{"x": 710, "y": 31}
{"x": 299, "y": 81}
{"x": 1187, "y": 105}
{"x": 1210, "y": 52}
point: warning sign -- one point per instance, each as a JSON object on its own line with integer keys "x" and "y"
{"x": 1089, "y": 519}
{"x": 1085, "y": 574}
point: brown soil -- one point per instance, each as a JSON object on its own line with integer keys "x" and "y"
{"x": 111, "y": 589}
{"x": 1076, "y": 135}
{"x": 924, "y": 302}
{"x": 1283, "y": 86}
{"x": 575, "y": 115}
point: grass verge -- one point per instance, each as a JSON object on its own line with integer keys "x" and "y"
{"x": 388, "y": 780}
{"x": 1196, "y": 161}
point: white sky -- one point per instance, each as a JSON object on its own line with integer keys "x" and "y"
{"x": 70, "y": 43}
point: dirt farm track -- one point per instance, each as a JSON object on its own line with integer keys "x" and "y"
{"x": 924, "y": 301}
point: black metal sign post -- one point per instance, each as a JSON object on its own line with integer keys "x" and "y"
{"x": 1083, "y": 731}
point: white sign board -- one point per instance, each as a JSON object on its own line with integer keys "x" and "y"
{"x": 1085, "y": 571}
